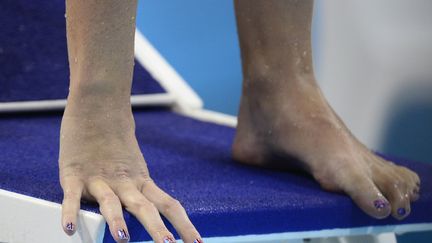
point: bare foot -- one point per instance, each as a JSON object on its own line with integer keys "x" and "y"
{"x": 296, "y": 124}
{"x": 284, "y": 116}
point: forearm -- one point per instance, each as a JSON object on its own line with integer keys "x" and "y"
{"x": 100, "y": 38}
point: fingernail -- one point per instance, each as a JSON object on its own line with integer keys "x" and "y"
{"x": 168, "y": 239}
{"x": 401, "y": 211}
{"x": 198, "y": 241}
{"x": 380, "y": 204}
{"x": 122, "y": 234}
{"x": 70, "y": 227}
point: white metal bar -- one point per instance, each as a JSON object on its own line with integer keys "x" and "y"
{"x": 161, "y": 70}
{"x": 46, "y": 105}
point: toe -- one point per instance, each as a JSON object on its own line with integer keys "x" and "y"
{"x": 400, "y": 201}
{"x": 396, "y": 188}
{"x": 366, "y": 195}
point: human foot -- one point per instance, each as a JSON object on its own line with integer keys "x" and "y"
{"x": 293, "y": 126}
{"x": 100, "y": 161}
{"x": 284, "y": 116}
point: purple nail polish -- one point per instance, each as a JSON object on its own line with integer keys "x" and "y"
{"x": 168, "y": 239}
{"x": 122, "y": 234}
{"x": 70, "y": 226}
{"x": 401, "y": 211}
{"x": 380, "y": 204}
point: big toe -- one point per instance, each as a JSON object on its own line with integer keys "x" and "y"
{"x": 360, "y": 187}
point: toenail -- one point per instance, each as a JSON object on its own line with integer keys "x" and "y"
{"x": 122, "y": 234}
{"x": 198, "y": 241}
{"x": 380, "y": 203}
{"x": 70, "y": 227}
{"x": 401, "y": 211}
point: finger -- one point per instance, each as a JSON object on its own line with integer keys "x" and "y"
{"x": 72, "y": 190}
{"x": 111, "y": 209}
{"x": 173, "y": 211}
{"x": 136, "y": 203}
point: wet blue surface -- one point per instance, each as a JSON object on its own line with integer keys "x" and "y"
{"x": 191, "y": 160}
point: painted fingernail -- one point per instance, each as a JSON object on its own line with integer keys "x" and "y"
{"x": 401, "y": 211}
{"x": 70, "y": 227}
{"x": 198, "y": 241}
{"x": 380, "y": 204}
{"x": 168, "y": 239}
{"x": 121, "y": 233}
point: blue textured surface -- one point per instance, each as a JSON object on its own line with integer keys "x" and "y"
{"x": 191, "y": 161}
{"x": 33, "y": 53}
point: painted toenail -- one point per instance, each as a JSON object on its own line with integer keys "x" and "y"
{"x": 380, "y": 204}
{"x": 401, "y": 211}
{"x": 70, "y": 227}
{"x": 198, "y": 241}
{"x": 122, "y": 234}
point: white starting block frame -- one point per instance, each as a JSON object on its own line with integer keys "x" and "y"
{"x": 24, "y": 225}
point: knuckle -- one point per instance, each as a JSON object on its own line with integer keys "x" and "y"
{"x": 170, "y": 205}
{"x": 117, "y": 220}
{"x": 135, "y": 204}
{"x": 122, "y": 172}
{"x": 70, "y": 169}
{"x": 108, "y": 198}
{"x": 144, "y": 182}
{"x": 71, "y": 195}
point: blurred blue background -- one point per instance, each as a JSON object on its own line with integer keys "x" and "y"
{"x": 199, "y": 39}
